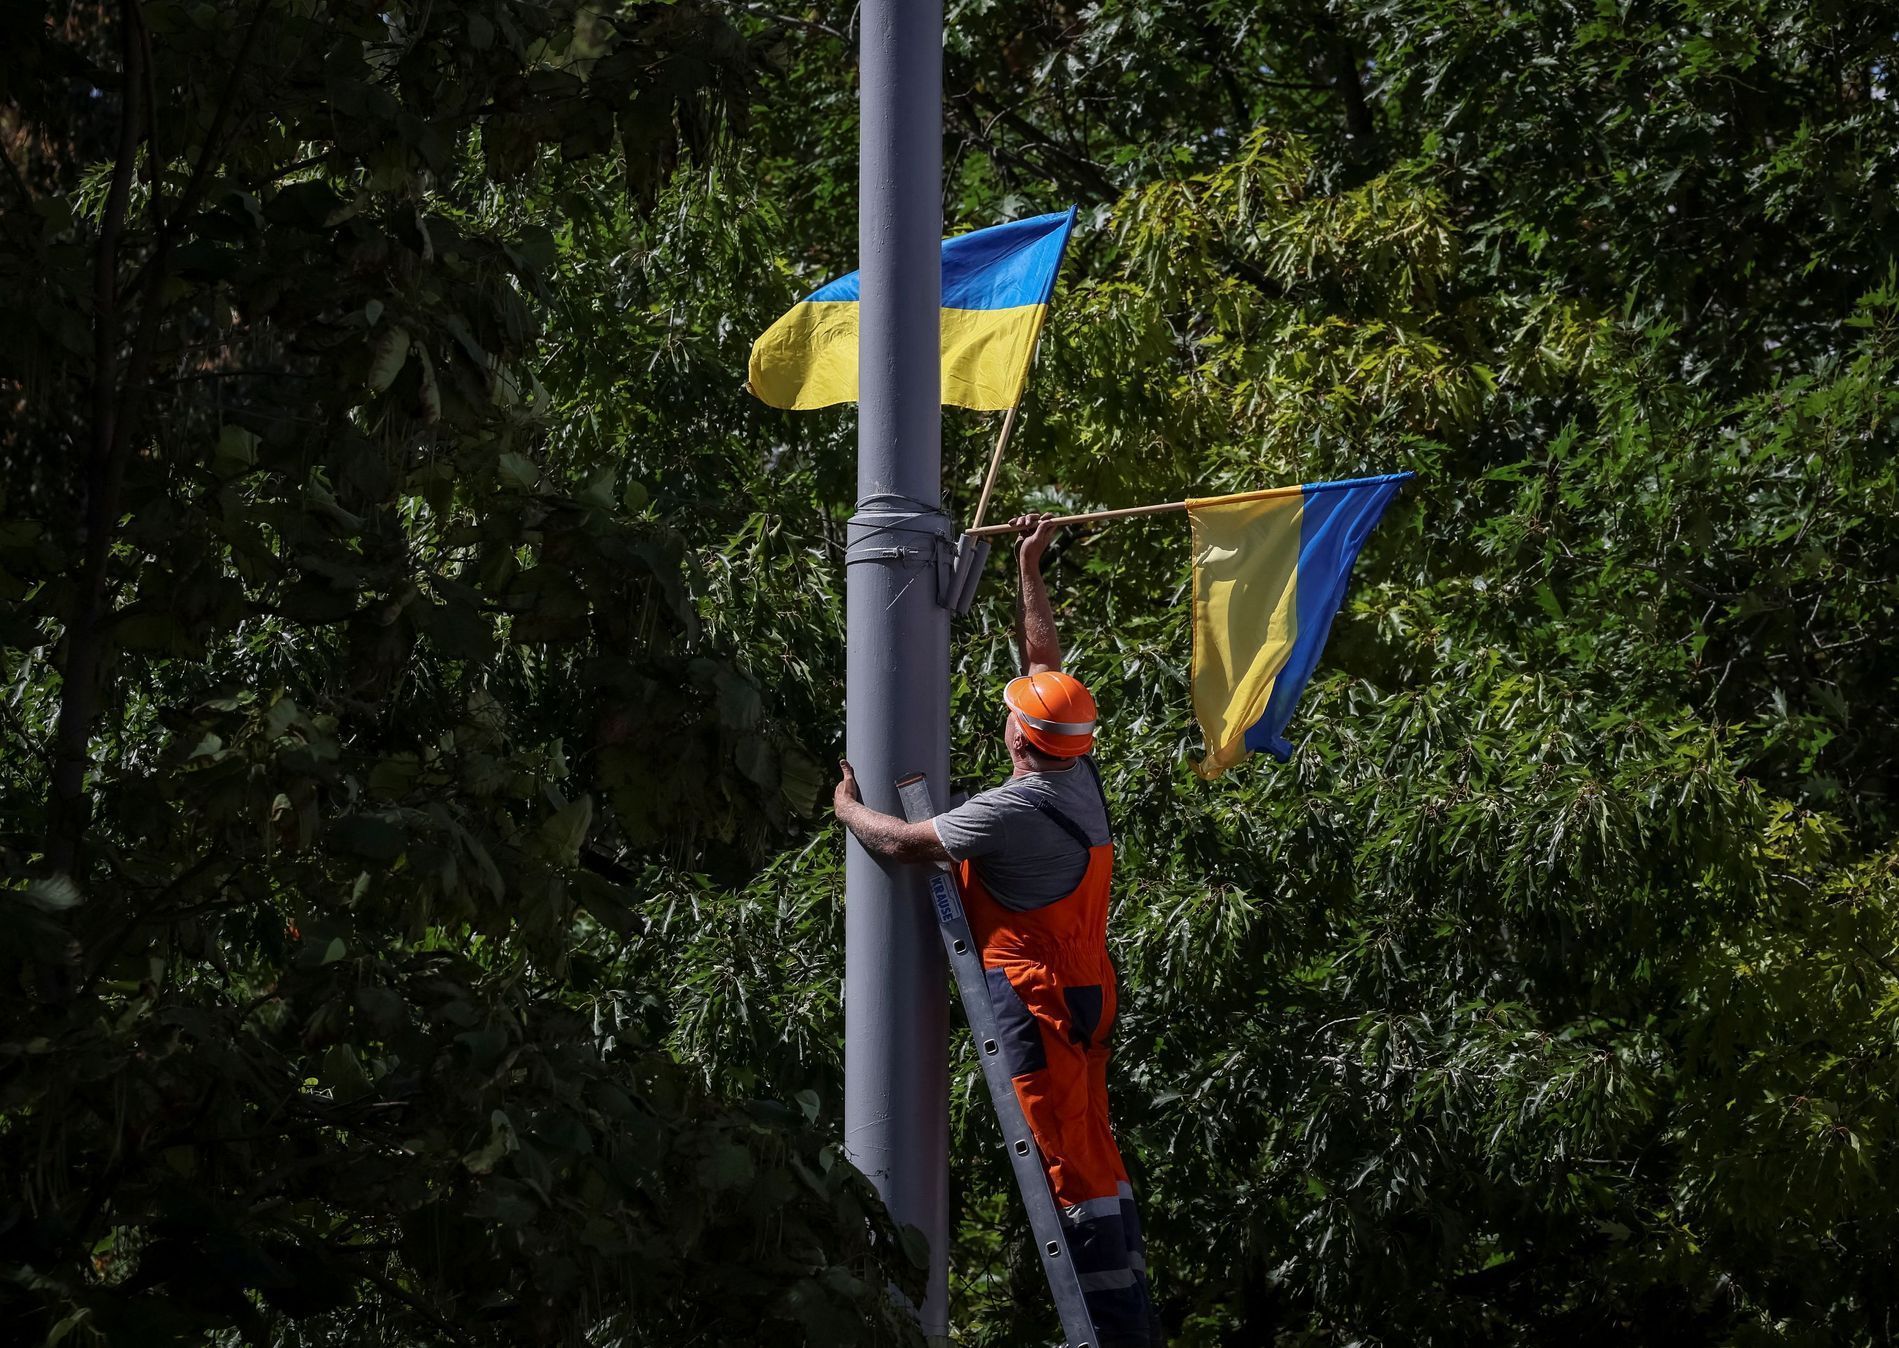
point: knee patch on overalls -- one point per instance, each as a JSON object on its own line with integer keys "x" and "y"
{"x": 1017, "y": 1032}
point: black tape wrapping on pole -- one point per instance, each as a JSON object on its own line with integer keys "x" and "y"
{"x": 888, "y": 528}
{"x": 891, "y": 528}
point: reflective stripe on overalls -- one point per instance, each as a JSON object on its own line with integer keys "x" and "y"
{"x": 1053, "y": 990}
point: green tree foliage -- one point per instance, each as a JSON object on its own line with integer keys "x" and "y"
{"x": 346, "y": 712}
{"x": 442, "y": 874}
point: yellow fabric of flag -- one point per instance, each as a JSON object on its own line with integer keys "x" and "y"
{"x": 808, "y": 358}
{"x": 996, "y": 287}
{"x": 1270, "y": 570}
{"x": 1245, "y": 615}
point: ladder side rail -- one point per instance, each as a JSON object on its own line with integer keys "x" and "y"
{"x": 1025, "y": 1157}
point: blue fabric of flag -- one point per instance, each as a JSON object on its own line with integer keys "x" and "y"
{"x": 1337, "y": 518}
{"x": 1003, "y": 267}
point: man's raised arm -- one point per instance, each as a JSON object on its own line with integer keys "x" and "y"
{"x": 1035, "y": 620}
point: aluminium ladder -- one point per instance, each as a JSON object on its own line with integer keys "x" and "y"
{"x": 1024, "y": 1156}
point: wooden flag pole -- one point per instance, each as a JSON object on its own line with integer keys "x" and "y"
{"x": 995, "y": 462}
{"x": 1129, "y": 511}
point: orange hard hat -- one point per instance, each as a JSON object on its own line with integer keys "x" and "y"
{"x": 1056, "y": 711}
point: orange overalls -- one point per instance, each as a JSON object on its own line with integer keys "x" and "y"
{"x": 1053, "y": 990}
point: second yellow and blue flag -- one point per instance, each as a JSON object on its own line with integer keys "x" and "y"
{"x": 1269, "y": 573}
{"x": 997, "y": 283}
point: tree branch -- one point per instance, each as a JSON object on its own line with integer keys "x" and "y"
{"x": 168, "y": 226}
{"x": 15, "y": 177}
{"x": 1341, "y": 66}
{"x": 788, "y": 20}
{"x": 1084, "y": 177}
{"x": 79, "y": 693}
{"x": 21, "y": 220}
{"x": 109, "y": 950}
{"x": 116, "y": 407}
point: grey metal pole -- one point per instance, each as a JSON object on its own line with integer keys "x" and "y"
{"x": 896, "y": 1011}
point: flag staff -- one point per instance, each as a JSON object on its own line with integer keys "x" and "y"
{"x": 995, "y": 462}
{"x": 1008, "y": 422}
{"x": 1130, "y": 511}
{"x": 1163, "y": 507}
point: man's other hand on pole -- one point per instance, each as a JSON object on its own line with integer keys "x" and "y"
{"x": 884, "y": 836}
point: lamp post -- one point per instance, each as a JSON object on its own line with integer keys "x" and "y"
{"x": 896, "y": 1014}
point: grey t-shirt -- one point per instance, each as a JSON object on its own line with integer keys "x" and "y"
{"x": 1026, "y": 859}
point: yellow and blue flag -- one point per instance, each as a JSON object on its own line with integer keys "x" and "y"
{"x": 997, "y": 283}
{"x": 1269, "y": 573}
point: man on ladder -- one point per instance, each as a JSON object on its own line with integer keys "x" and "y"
{"x": 1034, "y": 857}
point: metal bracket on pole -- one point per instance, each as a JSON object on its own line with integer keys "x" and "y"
{"x": 971, "y": 554}
{"x": 1025, "y": 1158}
